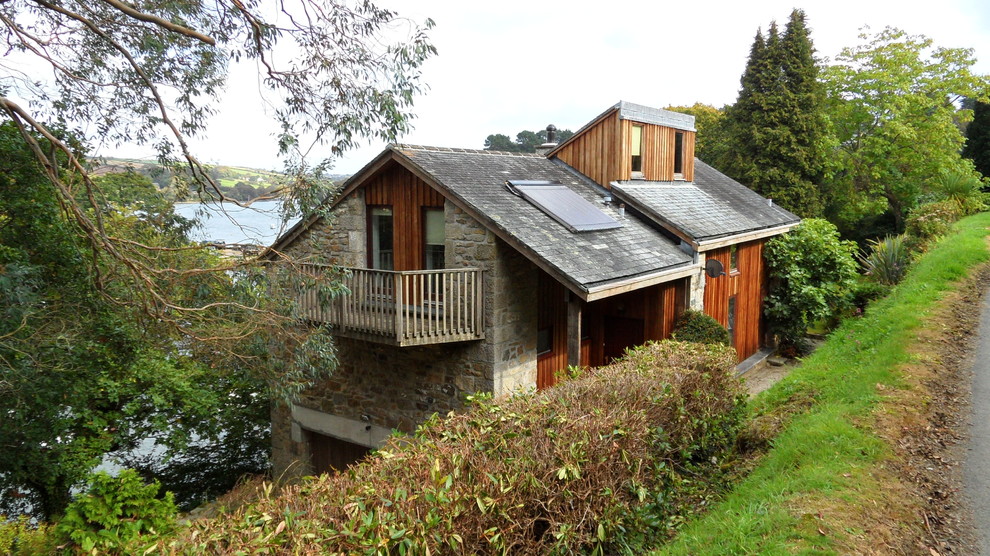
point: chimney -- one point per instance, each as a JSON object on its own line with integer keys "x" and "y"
{"x": 551, "y": 141}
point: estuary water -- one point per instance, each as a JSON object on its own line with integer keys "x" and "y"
{"x": 259, "y": 224}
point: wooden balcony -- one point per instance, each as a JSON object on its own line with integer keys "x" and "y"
{"x": 408, "y": 308}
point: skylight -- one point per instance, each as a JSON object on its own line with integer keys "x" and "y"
{"x": 562, "y": 204}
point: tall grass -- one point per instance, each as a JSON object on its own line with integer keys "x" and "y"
{"x": 825, "y": 458}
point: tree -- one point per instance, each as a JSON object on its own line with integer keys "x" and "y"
{"x": 894, "y": 103}
{"x": 977, "y": 146}
{"x": 153, "y": 72}
{"x": 777, "y": 127}
{"x": 811, "y": 274}
{"x": 711, "y": 142}
{"x": 526, "y": 141}
{"x": 82, "y": 377}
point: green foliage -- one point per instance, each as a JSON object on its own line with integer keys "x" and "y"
{"x": 711, "y": 141}
{"x": 977, "y": 146}
{"x": 778, "y": 130}
{"x": 811, "y": 273}
{"x": 827, "y": 455}
{"x": 83, "y": 378}
{"x": 962, "y": 188}
{"x": 892, "y": 100}
{"x": 865, "y": 292}
{"x": 20, "y": 537}
{"x": 526, "y": 141}
{"x": 887, "y": 261}
{"x": 696, "y": 326}
{"x": 598, "y": 464}
{"x": 115, "y": 513}
{"x": 930, "y": 221}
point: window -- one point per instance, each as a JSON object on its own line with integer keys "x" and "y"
{"x": 733, "y": 260}
{"x": 679, "y": 155}
{"x": 732, "y": 319}
{"x": 544, "y": 341}
{"x": 433, "y": 249}
{"x": 637, "y": 150}
{"x": 381, "y": 238}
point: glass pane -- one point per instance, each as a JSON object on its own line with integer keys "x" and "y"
{"x": 679, "y": 152}
{"x": 637, "y": 140}
{"x": 381, "y": 238}
{"x": 434, "y": 227}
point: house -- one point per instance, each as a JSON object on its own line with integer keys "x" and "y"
{"x": 478, "y": 271}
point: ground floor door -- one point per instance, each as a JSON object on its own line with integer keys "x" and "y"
{"x": 621, "y": 333}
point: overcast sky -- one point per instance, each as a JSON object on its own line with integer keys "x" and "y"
{"x": 508, "y": 65}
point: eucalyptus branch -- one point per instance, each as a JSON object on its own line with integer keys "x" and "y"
{"x": 167, "y": 25}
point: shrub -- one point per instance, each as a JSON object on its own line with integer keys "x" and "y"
{"x": 115, "y": 513}
{"x": 867, "y": 291}
{"x": 887, "y": 260}
{"x": 930, "y": 221}
{"x": 696, "y": 326}
{"x": 598, "y": 463}
{"x": 963, "y": 189}
{"x": 19, "y": 536}
{"x": 811, "y": 274}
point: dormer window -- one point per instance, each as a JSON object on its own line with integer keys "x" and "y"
{"x": 679, "y": 155}
{"x": 637, "y": 151}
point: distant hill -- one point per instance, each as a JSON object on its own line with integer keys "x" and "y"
{"x": 238, "y": 182}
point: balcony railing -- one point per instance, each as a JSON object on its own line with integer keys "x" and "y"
{"x": 404, "y": 308}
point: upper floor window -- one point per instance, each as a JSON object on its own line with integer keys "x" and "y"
{"x": 637, "y": 151}
{"x": 734, "y": 259}
{"x": 679, "y": 155}
{"x": 433, "y": 232}
{"x": 381, "y": 252}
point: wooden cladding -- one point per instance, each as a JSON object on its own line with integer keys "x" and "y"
{"x": 408, "y": 195}
{"x": 657, "y": 152}
{"x": 595, "y": 153}
{"x": 747, "y": 285}
{"x": 551, "y": 316}
{"x": 603, "y": 152}
{"x": 608, "y": 326}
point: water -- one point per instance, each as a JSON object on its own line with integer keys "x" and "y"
{"x": 258, "y": 224}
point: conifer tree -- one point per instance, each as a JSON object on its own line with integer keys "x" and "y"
{"x": 977, "y": 146}
{"x": 777, "y": 127}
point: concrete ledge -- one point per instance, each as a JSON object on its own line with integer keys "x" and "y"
{"x": 356, "y": 432}
{"x": 755, "y": 361}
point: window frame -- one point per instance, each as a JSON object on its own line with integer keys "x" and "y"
{"x": 636, "y": 158}
{"x": 426, "y": 255}
{"x": 679, "y": 157}
{"x": 371, "y": 231}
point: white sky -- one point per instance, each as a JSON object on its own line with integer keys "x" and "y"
{"x": 508, "y": 65}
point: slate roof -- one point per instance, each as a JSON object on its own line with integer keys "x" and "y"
{"x": 711, "y": 207}
{"x": 477, "y": 179}
{"x": 658, "y": 116}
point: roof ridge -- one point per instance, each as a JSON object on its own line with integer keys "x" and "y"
{"x": 400, "y": 146}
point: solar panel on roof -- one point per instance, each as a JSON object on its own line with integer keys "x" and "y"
{"x": 562, "y": 204}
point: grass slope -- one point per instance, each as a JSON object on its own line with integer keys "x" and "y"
{"x": 825, "y": 468}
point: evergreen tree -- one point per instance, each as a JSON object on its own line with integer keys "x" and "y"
{"x": 977, "y": 146}
{"x": 777, "y": 128}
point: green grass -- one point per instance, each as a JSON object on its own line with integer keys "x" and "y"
{"x": 823, "y": 457}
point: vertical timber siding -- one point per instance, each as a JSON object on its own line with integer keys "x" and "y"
{"x": 748, "y": 285}
{"x": 552, "y": 314}
{"x": 408, "y": 196}
{"x": 603, "y": 151}
{"x": 598, "y": 152}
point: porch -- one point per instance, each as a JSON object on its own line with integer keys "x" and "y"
{"x": 403, "y": 308}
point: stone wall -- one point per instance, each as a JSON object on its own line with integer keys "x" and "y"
{"x": 380, "y": 387}
{"x": 696, "y": 286}
{"x": 340, "y": 238}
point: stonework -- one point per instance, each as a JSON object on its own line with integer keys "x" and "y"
{"x": 696, "y": 295}
{"x": 389, "y": 387}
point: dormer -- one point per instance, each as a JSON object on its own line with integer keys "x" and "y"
{"x": 629, "y": 142}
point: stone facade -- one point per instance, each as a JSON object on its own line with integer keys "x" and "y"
{"x": 378, "y": 388}
{"x": 696, "y": 287}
